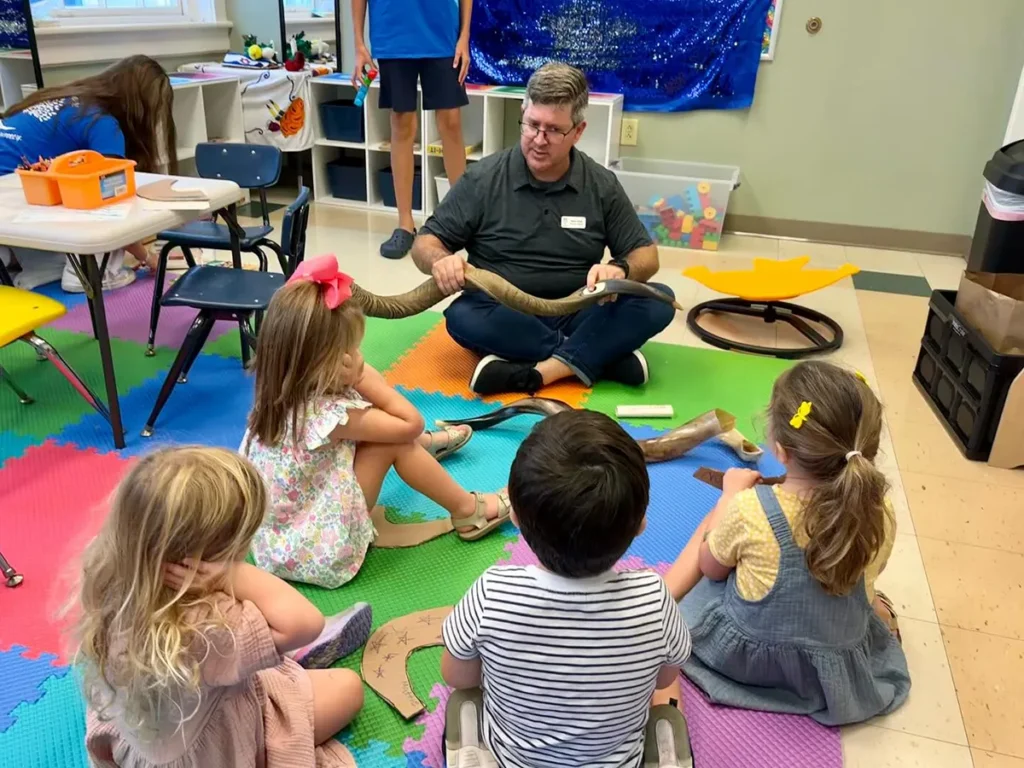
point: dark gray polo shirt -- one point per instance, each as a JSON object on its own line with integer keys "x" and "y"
{"x": 543, "y": 238}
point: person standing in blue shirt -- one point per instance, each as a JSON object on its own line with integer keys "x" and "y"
{"x": 125, "y": 111}
{"x": 424, "y": 41}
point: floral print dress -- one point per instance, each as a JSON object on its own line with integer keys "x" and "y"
{"x": 318, "y": 528}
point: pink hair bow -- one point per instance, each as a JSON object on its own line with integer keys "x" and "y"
{"x": 337, "y": 286}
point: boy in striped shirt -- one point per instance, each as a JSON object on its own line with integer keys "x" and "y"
{"x": 569, "y": 653}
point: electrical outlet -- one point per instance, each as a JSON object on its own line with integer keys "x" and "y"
{"x": 630, "y": 131}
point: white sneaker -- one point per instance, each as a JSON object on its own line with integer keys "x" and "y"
{"x": 116, "y": 276}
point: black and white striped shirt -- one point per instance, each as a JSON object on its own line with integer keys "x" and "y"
{"x": 569, "y": 665}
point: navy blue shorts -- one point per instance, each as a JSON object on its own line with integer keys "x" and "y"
{"x": 437, "y": 77}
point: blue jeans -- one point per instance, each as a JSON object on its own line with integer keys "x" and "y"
{"x": 587, "y": 342}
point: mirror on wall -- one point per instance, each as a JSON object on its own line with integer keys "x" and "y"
{"x": 20, "y": 71}
{"x": 317, "y": 20}
{"x": 263, "y": 19}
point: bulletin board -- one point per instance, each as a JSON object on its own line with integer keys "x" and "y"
{"x": 771, "y": 31}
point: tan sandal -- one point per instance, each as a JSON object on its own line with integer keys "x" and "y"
{"x": 894, "y": 624}
{"x": 458, "y": 438}
{"x": 481, "y": 525}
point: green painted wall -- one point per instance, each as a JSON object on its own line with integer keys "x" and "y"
{"x": 883, "y": 119}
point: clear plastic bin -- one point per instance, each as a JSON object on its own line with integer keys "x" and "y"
{"x": 683, "y": 205}
{"x": 441, "y": 182}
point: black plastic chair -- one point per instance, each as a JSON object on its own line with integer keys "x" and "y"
{"x": 219, "y": 293}
{"x": 250, "y": 166}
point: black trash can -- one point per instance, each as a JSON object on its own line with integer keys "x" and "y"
{"x": 998, "y": 244}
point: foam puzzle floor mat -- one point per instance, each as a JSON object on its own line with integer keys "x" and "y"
{"x": 58, "y": 466}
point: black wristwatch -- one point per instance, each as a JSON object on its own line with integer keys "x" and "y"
{"x": 621, "y": 264}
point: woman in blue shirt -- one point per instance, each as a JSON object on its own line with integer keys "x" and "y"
{"x": 125, "y": 111}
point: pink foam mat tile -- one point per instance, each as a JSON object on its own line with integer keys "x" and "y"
{"x": 128, "y": 316}
{"x": 53, "y": 499}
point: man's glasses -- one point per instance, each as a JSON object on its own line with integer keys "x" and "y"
{"x": 551, "y": 135}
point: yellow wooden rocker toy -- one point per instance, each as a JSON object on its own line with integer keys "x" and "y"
{"x": 761, "y": 292}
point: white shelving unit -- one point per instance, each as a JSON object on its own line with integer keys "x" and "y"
{"x": 483, "y": 127}
{"x": 15, "y": 72}
{"x": 206, "y": 110}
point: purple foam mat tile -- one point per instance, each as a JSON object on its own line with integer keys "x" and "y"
{"x": 128, "y": 316}
{"x": 739, "y": 738}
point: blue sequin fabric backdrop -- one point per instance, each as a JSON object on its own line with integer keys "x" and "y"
{"x": 13, "y": 33}
{"x": 662, "y": 55}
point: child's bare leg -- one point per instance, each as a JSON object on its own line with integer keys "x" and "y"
{"x": 685, "y": 571}
{"x": 421, "y": 472}
{"x": 337, "y": 699}
{"x": 668, "y": 695}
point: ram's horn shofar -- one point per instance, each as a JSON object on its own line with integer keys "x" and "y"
{"x": 670, "y": 445}
{"x": 537, "y": 406}
{"x": 427, "y": 295}
{"x": 716, "y": 477}
{"x": 682, "y": 439}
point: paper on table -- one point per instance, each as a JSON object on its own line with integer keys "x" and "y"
{"x": 174, "y": 205}
{"x": 45, "y": 214}
{"x": 172, "y": 195}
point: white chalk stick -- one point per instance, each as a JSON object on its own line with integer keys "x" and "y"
{"x": 644, "y": 411}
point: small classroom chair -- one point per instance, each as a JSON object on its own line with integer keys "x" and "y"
{"x": 293, "y": 232}
{"x": 219, "y": 293}
{"x": 21, "y": 313}
{"x": 250, "y": 166}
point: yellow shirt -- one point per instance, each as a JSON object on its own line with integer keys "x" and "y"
{"x": 745, "y": 541}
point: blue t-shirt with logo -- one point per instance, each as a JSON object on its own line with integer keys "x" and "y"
{"x": 51, "y": 128}
{"x": 413, "y": 29}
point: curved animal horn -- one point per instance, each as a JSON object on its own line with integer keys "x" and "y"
{"x": 427, "y": 295}
{"x": 665, "y": 447}
{"x": 682, "y": 439}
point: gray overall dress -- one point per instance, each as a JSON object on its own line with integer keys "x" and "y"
{"x": 796, "y": 650}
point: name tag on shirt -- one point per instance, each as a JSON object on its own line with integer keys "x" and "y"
{"x": 574, "y": 222}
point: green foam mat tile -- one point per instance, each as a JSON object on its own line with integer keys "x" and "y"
{"x": 388, "y": 340}
{"x": 385, "y": 342}
{"x": 226, "y": 345}
{"x": 694, "y": 380}
{"x": 57, "y": 404}
{"x": 397, "y": 582}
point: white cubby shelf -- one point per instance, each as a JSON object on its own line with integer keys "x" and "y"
{"x": 483, "y": 128}
{"x": 206, "y": 109}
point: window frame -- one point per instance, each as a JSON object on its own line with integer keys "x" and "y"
{"x": 299, "y": 14}
{"x": 185, "y": 11}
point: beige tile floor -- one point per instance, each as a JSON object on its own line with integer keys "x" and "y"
{"x": 957, "y": 570}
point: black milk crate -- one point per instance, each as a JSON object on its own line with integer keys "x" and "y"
{"x": 964, "y": 380}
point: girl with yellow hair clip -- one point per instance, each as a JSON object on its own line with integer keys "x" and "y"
{"x": 777, "y": 585}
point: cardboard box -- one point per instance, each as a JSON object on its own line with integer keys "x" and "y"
{"x": 994, "y": 305}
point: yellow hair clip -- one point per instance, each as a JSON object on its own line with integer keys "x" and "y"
{"x": 861, "y": 376}
{"x": 801, "y": 415}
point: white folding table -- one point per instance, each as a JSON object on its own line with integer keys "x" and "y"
{"x": 88, "y": 245}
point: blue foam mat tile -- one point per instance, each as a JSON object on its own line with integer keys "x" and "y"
{"x": 211, "y": 409}
{"x": 482, "y": 465}
{"x": 678, "y": 500}
{"x": 23, "y": 680}
{"x": 49, "y": 733}
{"x": 55, "y": 292}
{"x": 12, "y": 445}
